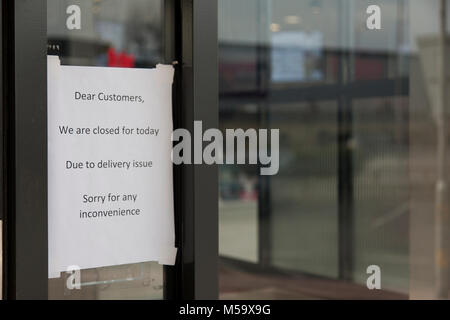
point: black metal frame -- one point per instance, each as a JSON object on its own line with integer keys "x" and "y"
{"x": 1, "y": 148}
{"x": 199, "y": 199}
{"x": 196, "y": 187}
{"x": 191, "y": 34}
{"x": 25, "y": 149}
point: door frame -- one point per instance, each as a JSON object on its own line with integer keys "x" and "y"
{"x": 195, "y": 50}
{"x": 193, "y": 45}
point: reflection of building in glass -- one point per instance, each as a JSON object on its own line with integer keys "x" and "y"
{"x": 357, "y": 144}
{"x": 132, "y": 29}
{"x": 296, "y": 56}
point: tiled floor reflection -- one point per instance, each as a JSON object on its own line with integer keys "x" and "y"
{"x": 238, "y": 284}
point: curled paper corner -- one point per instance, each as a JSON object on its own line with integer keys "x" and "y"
{"x": 162, "y": 66}
{"x": 169, "y": 257}
{"x": 167, "y": 69}
{"x": 52, "y": 274}
{"x": 53, "y": 59}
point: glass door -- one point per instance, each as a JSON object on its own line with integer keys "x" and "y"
{"x": 357, "y": 90}
{"x": 108, "y": 36}
{"x": 120, "y": 34}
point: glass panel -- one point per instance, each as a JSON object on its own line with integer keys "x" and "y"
{"x": 240, "y": 61}
{"x": 113, "y": 33}
{"x": 303, "y": 193}
{"x": 238, "y": 204}
{"x": 381, "y": 189}
{"x": 362, "y": 114}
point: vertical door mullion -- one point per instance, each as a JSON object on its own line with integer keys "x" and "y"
{"x": 172, "y": 27}
{"x": 196, "y": 274}
{"x": 26, "y": 153}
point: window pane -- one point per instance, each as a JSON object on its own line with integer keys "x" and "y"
{"x": 363, "y": 116}
{"x": 303, "y": 194}
{"x": 113, "y": 33}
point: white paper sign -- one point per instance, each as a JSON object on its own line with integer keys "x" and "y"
{"x": 109, "y": 166}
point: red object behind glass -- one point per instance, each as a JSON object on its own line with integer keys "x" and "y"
{"x": 121, "y": 60}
